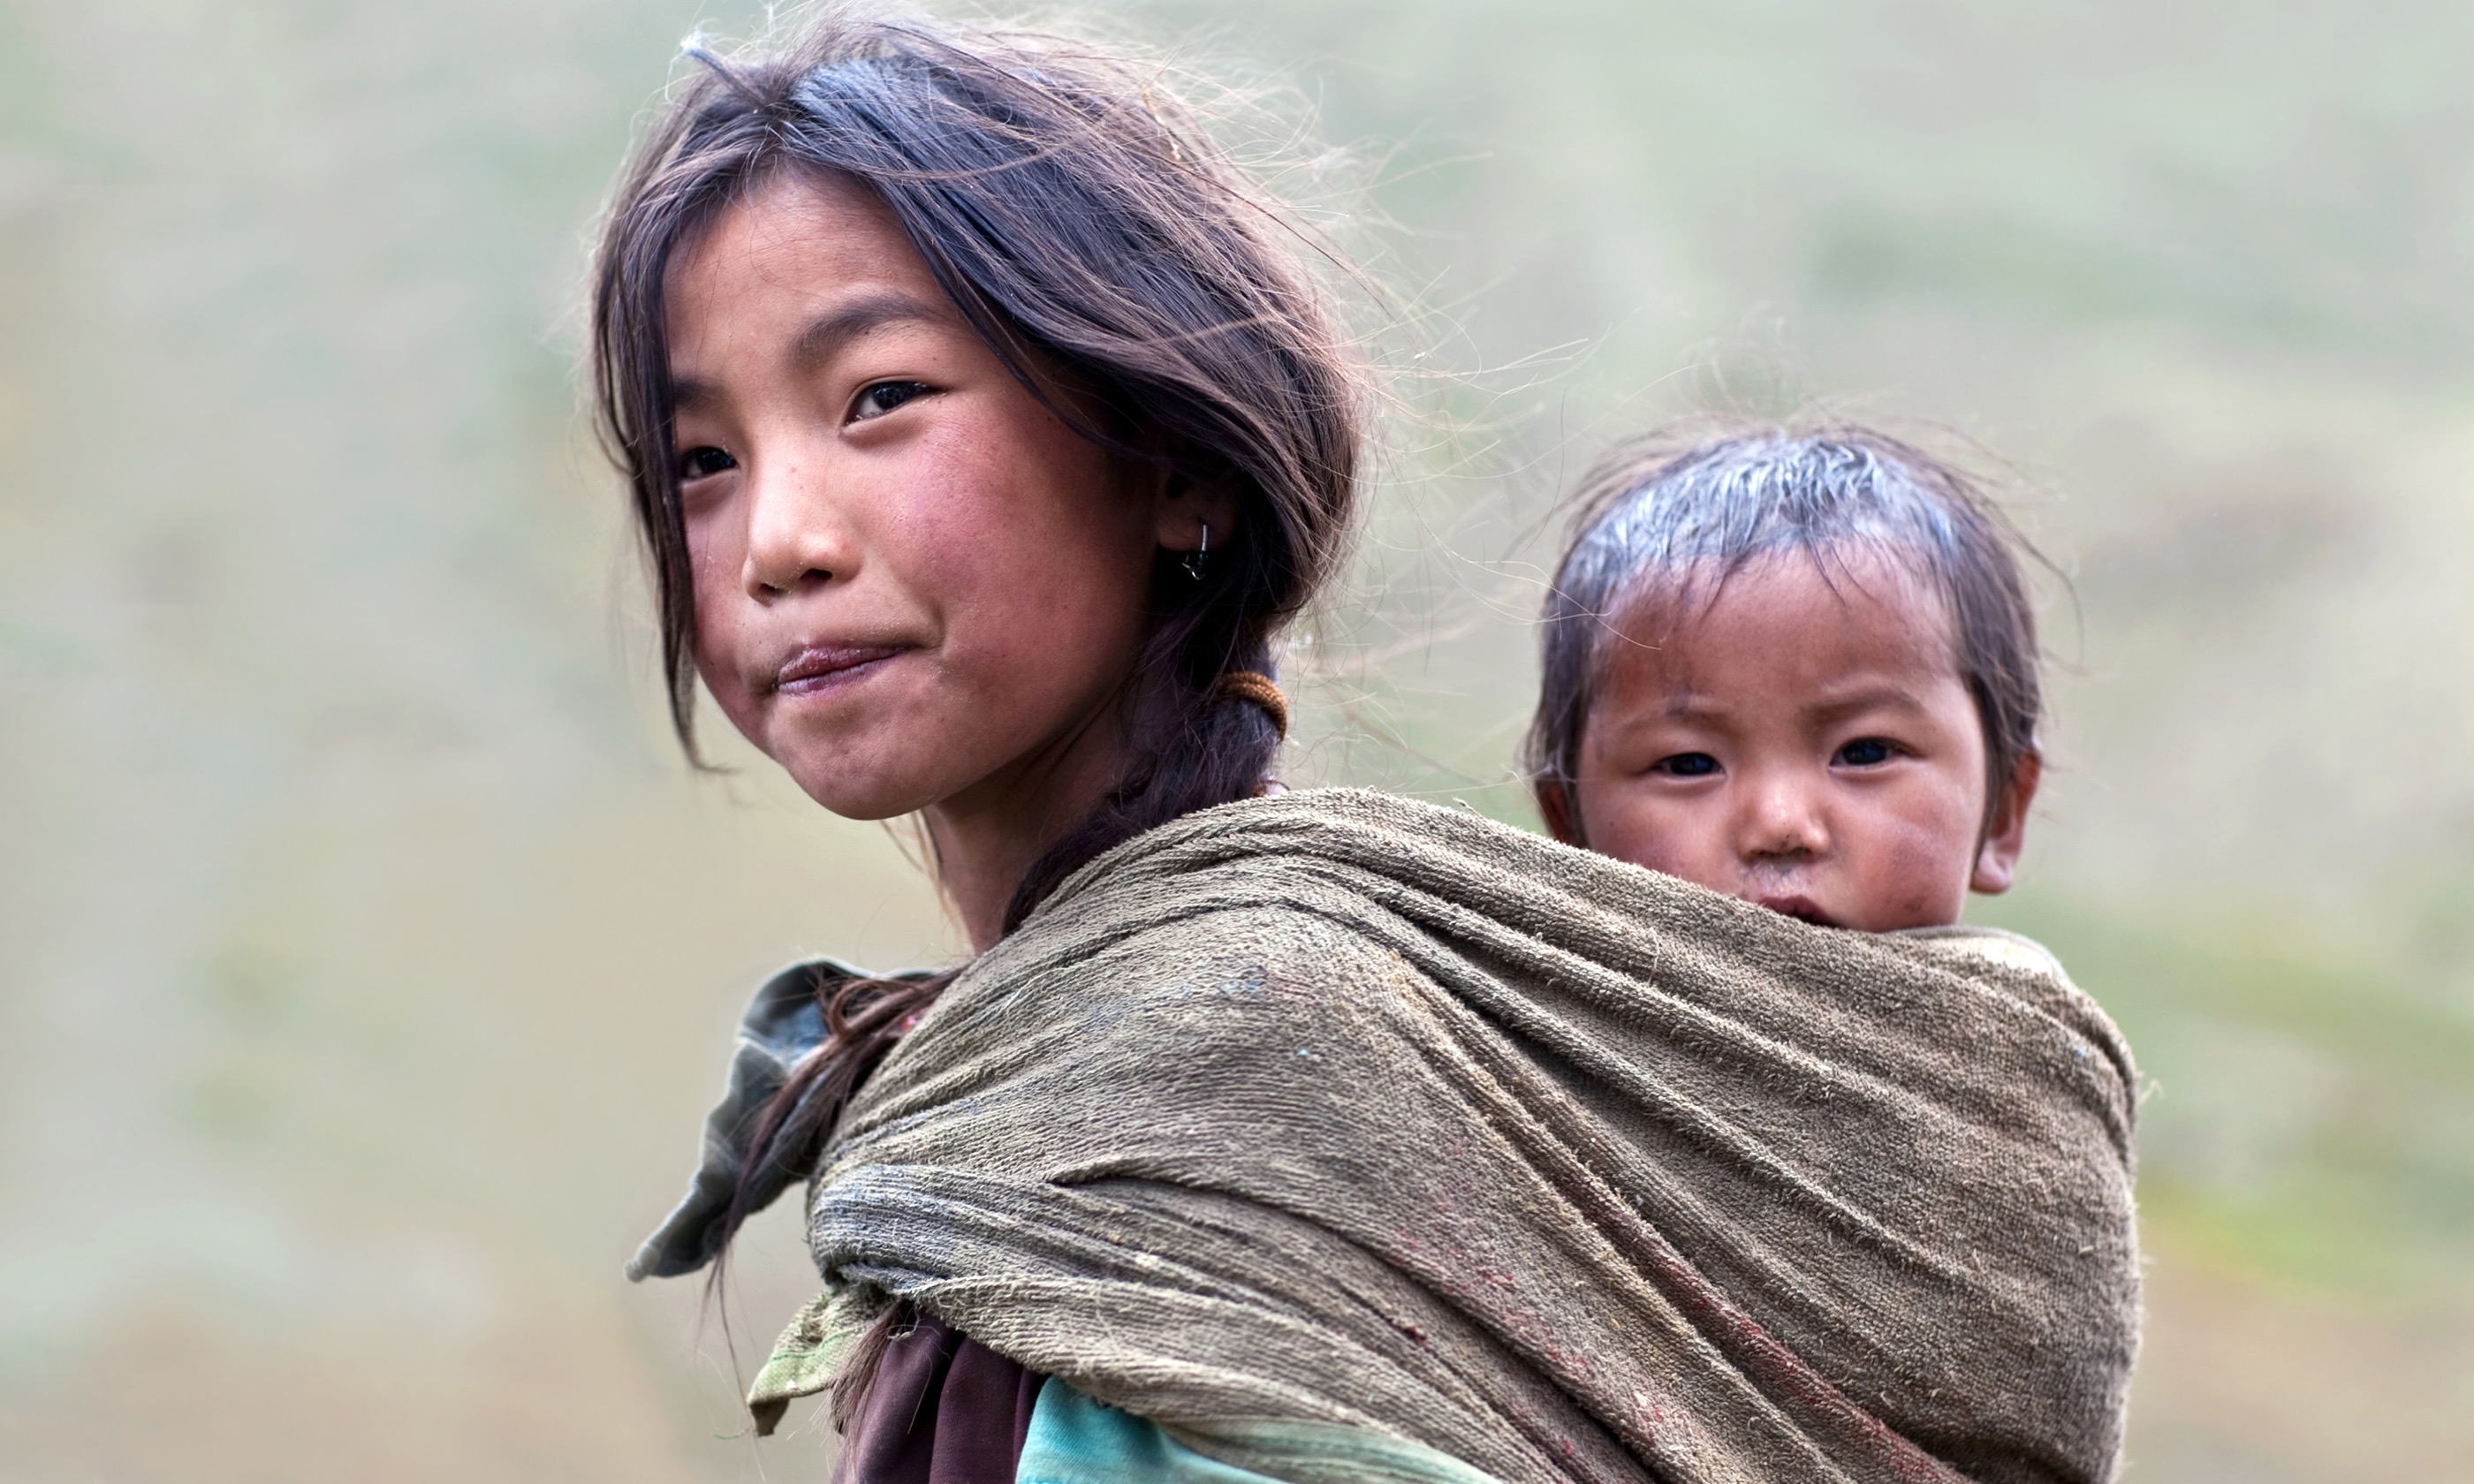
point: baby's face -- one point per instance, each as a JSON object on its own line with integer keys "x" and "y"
{"x": 1803, "y": 742}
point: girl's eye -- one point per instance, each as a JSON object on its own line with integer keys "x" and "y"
{"x": 1686, "y": 765}
{"x": 704, "y": 463}
{"x": 884, "y": 397}
{"x": 1865, "y": 753}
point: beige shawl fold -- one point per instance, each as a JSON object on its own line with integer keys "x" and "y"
{"x": 1333, "y": 1107}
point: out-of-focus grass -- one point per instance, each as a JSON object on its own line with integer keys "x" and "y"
{"x": 2308, "y": 1117}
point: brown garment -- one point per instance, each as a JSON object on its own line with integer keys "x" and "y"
{"x": 943, "y": 1409}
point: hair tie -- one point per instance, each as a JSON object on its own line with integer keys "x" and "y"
{"x": 1259, "y": 688}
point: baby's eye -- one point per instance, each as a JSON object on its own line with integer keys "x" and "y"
{"x": 1686, "y": 765}
{"x": 1865, "y": 753}
{"x": 703, "y": 464}
{"x": 875, "y": 401}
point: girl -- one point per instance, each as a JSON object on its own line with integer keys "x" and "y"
{"x": 985, "y": 431}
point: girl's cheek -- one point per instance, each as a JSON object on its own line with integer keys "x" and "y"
{"x": 714, "y": 571}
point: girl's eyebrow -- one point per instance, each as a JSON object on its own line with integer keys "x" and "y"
{"x": 825, "y": 336}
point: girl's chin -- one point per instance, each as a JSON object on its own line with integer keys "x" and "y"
{"x": 861, "y": 797}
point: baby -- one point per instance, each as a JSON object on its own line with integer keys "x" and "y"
{"x": 1797, "y": 668}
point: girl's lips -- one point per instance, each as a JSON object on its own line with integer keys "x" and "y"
{"x": 823, "y": 667}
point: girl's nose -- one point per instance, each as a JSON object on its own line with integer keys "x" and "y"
{"x": 796, "y": 538}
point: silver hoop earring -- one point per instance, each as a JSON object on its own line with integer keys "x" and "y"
{"x": 1194, "y": 559}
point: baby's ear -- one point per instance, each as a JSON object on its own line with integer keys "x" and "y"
{"x": 1555, "y": 804}
{"x": 2006, "y": 828}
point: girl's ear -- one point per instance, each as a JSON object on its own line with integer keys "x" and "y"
{"x": 2005, "y": 832}
{"x": 1184, "y": 506}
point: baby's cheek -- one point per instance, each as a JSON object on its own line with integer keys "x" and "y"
{"x": 1624, "y": 824}
{"x": 1921, "y": 879}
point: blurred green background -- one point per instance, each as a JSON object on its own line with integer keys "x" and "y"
{"x": 367, "y": 957}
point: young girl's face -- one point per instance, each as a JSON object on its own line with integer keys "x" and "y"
{"x": 1801, "y": 741}
{"x": 914, "y": 585}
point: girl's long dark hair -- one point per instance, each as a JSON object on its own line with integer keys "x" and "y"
{"x": 1093, "y": 236}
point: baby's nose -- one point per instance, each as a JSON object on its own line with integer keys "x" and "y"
{"x": 1785, "y": 824}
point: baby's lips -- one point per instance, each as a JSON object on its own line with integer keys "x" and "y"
{"x": 1802, "y": 908}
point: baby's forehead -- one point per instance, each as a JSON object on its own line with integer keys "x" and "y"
{"x": 1820, "y": 588}
{"x": 1791, "y": 641}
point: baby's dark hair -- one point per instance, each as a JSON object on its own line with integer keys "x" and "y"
{"x": 1656, "y": 519}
